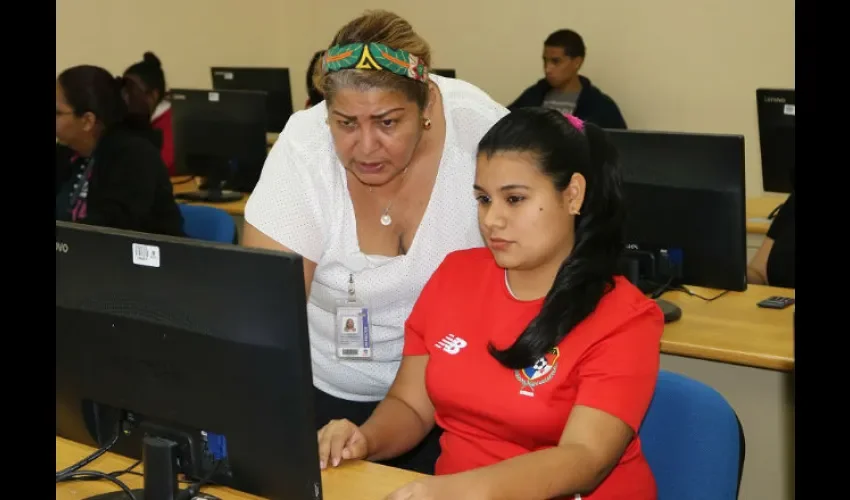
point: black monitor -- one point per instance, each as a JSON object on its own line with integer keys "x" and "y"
{"x": 219, "y": 135}
{"x": 273, "y": 81}
{"x": 448, "y": 73}
{"x": 685, "y": 208}
{"x": 776, "y": 110}
{"x": 195, "y": 353}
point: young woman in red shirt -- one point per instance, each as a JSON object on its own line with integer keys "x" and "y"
{"x": 533, "y": 355}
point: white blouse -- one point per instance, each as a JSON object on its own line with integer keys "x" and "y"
{"x": 302, "y": 202}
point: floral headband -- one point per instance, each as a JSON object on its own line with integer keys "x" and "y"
{"x": 374, "y": 56}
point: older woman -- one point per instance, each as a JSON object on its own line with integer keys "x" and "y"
{"x": 372, "y": 188}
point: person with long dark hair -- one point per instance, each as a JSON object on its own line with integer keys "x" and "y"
{"x": 536, "y": 358}
{"x": 109, "y": 171}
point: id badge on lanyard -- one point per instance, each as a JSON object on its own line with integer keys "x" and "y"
{"x": 80, "y": 192}
{"x": 353, "y": 327}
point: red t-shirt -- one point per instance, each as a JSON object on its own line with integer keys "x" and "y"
{"x": 163, "y": 123}
{"x": 609, "y": 362}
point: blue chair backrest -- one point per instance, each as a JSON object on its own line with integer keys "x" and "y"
{"x": 693, "y": 441}
{"x": 208, "y": 223}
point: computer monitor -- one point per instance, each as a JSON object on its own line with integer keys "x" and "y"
{"x": 685, "y": 207}
{"x": 273, "y": 81}
{"x": 776, "y": 110}
{"x": 198, "y": 347}
{"x": 448, "y": 73}
{"x": 219, "y": 135}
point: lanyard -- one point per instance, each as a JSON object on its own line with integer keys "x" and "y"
{"x": 81, "y": 187}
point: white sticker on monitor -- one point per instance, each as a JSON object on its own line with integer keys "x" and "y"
{"x": 146, "y": 255}
{"x": 227, "y": 75}
{"x": 789, "y": 109}
{"x": 213, "y": 96}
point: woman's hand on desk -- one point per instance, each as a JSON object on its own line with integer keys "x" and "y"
{"x": 341, "y": 440}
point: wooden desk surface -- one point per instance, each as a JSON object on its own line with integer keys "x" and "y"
{"x": 353, "y": 481}
{"x": 185, "y": 184}
{"x": 732, "y": 329}
{"x": 758, "y": 208}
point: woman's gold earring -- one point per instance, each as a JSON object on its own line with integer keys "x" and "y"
{"x": 426, "y": 123}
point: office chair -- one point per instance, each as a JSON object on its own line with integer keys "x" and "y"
{"x": 208, "y": 223}
{"x": 693, "y": 441}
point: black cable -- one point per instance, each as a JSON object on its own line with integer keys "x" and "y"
{"x": 194, "y": 489}
{"x": 89, "y": 459}
{"x": 73, "y": 473}
{"x": 116, "y": 473}
{"x": 97, "y": 475}
{"x": 184, "y": 181}
{"x": 128, "y": 470}
{"x": 692, "y": 294}
{"x": 141, "y": 474}
{"x": 663, "y": 288}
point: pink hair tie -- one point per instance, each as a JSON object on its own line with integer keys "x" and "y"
{"x": 577, "y": 122}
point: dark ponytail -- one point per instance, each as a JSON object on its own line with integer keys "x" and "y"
{"x": 149, "y": 75}
{"x": 564, "y": 147}
{"x": 137, "y": 114}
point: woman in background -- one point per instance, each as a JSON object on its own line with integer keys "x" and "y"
{"x": 773, "y": 263}
{"x": 150, "y": 78}
{"x": 109, "y": 172}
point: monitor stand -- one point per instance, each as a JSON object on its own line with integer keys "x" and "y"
{"x": 212, "y": 190}
{"x": 160, "y": 473}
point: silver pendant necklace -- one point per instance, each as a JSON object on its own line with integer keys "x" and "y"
{"x": 386, "y": 218}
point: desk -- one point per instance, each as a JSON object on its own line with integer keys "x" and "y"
{"x": 357, "y": 480}
{"x": 746, "y": 353}
{"x": 732, "y": 329}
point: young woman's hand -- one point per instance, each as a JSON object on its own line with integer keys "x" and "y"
{"x": 341, "y": 440}
{"x": 440, "y": 488}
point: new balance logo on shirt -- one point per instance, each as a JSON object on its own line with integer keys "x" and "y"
{"x": 451, "y": 344}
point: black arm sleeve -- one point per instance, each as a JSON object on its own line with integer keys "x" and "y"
{"x": 126, "y": 187}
